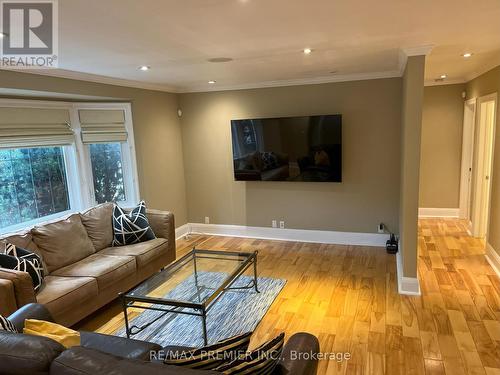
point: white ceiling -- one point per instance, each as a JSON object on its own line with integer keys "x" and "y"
{"x": 352, "y": 39}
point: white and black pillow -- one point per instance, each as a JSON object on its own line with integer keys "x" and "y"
{"x": 7, "y": 325}
{"x": 131, "y": 228}
{"x": 19, "y": 259}
{"x": 260, "y": 361}
{"x": 210, "y": 356}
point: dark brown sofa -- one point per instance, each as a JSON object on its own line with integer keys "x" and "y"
{"x": 110, "y": 355}
{"x": 84, "y": 271}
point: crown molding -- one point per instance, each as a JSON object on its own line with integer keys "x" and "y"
{"x": 486, "y": 69}
{"x": 422, "y": 50}
{"x": 404, "y": 53}
{"x": 298, "y": 82}
{"x": 455, "y": 81}
{"x": 88, "y": 77}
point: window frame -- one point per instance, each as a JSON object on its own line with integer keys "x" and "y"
{"x": 129, "y": 165}
{"x": 78, "y": 166}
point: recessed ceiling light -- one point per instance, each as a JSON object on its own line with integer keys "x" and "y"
{"x": 144, "y": 68}
{"x": 211, "y": 82}
{"x": 467, "y": 55}
{"x": 307, "y": 51}
{"x": 443, "y": 76}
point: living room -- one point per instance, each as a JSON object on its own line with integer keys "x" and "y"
{"x": 317, "y": 197}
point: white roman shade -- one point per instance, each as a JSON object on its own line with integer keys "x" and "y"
{"x": 106, "y": 125}
{"x": 30, "y": 127}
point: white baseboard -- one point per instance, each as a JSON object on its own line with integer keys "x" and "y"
{"x": 182, "y": 231}
{"x": 406, "y": 285}
{"x": 298, "y": 235}
{"x": 493, "y": 258}
{"x": 438, "y": 212}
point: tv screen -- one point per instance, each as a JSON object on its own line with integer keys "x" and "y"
{"x": 305, "y": 148}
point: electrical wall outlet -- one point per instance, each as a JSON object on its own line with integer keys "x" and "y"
{"x": 207, "y": 220}
{"x": 381, "y": 228}
{"x": 274, "y": 224}
{"x": 282, "y": 225}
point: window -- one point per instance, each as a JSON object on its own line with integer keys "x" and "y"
{"x": 33, "y": 184}
{"x": 107, "y": 172}
{"x": 57, "y": 158}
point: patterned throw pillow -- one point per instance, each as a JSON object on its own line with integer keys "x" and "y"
{"x": 7, "y": 325}
{"x": 211, "y": 356}
{"x": 19, "y": 259}
{"x": 260, "y": 361}
{"x": 131, "y": 228}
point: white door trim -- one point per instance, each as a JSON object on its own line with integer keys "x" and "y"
{"x": 481, "y": 204}
{"x": 467, "y": 157}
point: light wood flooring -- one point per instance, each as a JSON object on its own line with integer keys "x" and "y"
{"x": 347, "y": 296}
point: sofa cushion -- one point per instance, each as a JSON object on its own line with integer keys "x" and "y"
{"x": 63, "y": 242}
{"x": 106, "y": 269}
{"x": 143, "y": 252}
{"x": 98, "y": 222}
{"x": 85, "y": 361}
{"x": 119, "y": 346}
{"x": 26, "y": 354}
{"x": 60, "y": 294}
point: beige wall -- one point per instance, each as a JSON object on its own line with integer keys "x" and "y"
{"x": 411, "y": 128}
{"x": 369, "y": 192}
{"x": 486, "y": 84}
{"x": 441, "y": 149}
{"x": 156, "y": 129}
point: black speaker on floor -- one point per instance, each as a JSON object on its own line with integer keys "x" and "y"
{"x": 392, "y": 245}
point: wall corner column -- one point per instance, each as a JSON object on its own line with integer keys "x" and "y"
{"x": 411, "y": 127}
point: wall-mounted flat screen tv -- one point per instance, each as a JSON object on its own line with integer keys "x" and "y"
{"x": 307, "y": 148}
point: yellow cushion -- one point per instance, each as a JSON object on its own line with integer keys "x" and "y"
{"x": 65, "y": 336}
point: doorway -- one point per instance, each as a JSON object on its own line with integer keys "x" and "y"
{"x": 467, "y": 159}
{"x": 485, "y": 138}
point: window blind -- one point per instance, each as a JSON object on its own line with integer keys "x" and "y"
{"x": 30, "y": 127}
{"x": 99, "y": 126}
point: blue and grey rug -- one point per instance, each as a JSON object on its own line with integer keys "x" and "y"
{"x": 237, "y": 311}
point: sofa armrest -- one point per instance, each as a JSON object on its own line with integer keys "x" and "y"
{"x": 23, "y": 286}
{"x": 163, "y": 224}
{"x": 30, "y": 311}
{"x": 7, "y": 297}
{"x": 298, "y": 356}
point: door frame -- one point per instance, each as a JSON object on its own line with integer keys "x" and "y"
{"x": 466, "y": 175}
{"x": 480, "y": 212}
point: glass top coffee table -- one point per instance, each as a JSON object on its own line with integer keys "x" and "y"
{"x": 204, "y": 275}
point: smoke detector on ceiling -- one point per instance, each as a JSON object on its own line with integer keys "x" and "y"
{"x": 220, "y": 59}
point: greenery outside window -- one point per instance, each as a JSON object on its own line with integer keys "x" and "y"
{"x": 33, "y": 184}
{"x": 107, "y": 172}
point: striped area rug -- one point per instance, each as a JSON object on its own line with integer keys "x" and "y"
{"x": 237, "y": 311}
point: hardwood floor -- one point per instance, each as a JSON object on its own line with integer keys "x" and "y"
{"x": 347, "y": 296}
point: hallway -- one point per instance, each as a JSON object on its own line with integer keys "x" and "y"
{"x": 459, "y": 312}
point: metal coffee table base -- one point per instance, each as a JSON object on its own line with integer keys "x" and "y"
{"x": 188, "y": 308}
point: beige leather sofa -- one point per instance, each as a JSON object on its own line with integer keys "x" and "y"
{"x": 84, "y": 271}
